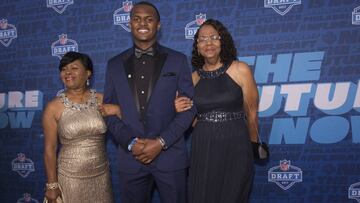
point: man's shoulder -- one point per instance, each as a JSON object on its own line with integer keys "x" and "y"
{"x": 121, "y": 56}
{"x": 171, "y": 51}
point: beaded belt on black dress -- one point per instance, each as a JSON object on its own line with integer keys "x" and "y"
{"x": 220, "y": 116}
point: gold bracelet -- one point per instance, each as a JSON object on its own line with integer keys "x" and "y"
{"x": 52, "y": 186}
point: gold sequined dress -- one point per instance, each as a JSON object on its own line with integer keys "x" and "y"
{"x": 83, "y": 167}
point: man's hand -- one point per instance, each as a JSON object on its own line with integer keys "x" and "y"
{"x": 182, "y": 104}
{"x": 137, "y": 148}
{"x": 109, "y": 110}
{"x": 151, "y": 149}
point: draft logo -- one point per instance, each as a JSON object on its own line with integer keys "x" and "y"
{"x": 285, "y": 175}
{"x": 192, "y": 27}
{"x": 356, "y": 16}
{"x": 63, "y": 45}
{"x": 122, "y": 15}
{"x": 8, "y": 32}
{"x": 22, "y": 165}
{"x": 59, "y": 5}
{"x": 354, "y": 191}
{"x": 281, "y": 7}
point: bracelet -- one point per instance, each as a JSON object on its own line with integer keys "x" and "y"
{"x": 52, "y": 186}
{"x": 162, "y": 142}
{"x": 133, "y": 141}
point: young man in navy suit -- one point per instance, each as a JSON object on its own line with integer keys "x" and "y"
{"x": 144, "y": 81}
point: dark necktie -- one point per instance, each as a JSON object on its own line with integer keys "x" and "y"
{"x": 139, "y": 52}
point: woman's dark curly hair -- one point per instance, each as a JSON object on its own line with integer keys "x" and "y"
{"x": 228, "y": 51}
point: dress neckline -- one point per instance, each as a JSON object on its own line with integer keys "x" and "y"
{"x": 213, "y": 73}
{"x": 90, "y": 103}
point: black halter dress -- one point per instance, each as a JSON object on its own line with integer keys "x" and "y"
{"x": 221, "y": 169}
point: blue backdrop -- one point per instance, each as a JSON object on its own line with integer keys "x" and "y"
{"x": 305, "y": 55}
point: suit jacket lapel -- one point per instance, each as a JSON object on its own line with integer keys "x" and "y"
{"x": 129, "y": 70}
{"x": 160, "y": 59}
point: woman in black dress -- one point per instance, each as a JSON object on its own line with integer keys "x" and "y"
{"x": 226, "y": 97}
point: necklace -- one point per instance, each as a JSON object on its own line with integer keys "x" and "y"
{"x": 90, "y": 103}
{"x": 212, "y": 74}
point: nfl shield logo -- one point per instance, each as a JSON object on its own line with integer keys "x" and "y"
{"x": 284, "y": 165}
{"x": 127, "y": 5}
{"x": 3, "y": 24}
{"x": 27, "y": 198}
{"x": 200, "y": 19}
{"x": 63, "y": 39}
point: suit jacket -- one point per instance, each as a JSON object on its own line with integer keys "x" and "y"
{"x": 171, "y": 74}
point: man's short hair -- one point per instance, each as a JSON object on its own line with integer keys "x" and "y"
{"x": 147, "y": 4}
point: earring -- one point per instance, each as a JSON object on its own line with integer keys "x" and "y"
{"x": 87, "y": 82}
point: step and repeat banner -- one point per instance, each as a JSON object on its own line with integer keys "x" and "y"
{"x": 305, "y": 56}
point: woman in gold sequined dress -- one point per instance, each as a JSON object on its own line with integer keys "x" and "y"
{"x": 80, "y": 171}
